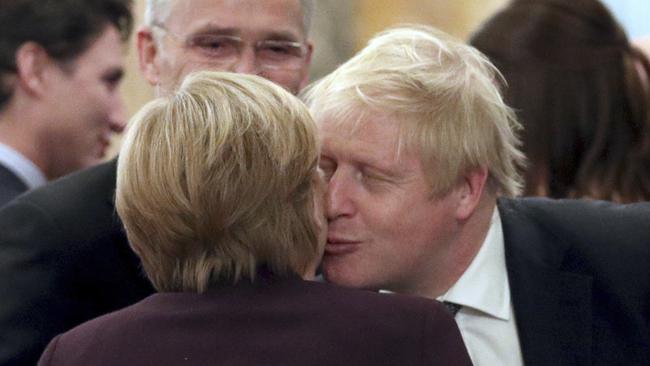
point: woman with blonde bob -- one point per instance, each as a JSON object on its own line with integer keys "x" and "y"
{"x": 220, "y": 197}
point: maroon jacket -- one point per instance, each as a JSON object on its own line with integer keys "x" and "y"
{"x": 274, "y": 322}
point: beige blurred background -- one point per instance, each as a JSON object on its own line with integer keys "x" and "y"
{"x": 340, "y": 28}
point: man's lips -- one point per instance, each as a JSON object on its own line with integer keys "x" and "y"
{"x": 339, "y": 246}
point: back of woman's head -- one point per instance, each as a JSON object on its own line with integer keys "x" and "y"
{"x": 580, "y": 90}
{"x": 218, "y": 180}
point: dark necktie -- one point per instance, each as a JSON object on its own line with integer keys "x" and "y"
{"x": 452, "y": 307}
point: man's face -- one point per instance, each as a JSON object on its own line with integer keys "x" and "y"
{"x": 84, "y": 106}
{"x": 182, "y": 48}
{"x": 385, "y": 230}
{"x": 321, "y": 221}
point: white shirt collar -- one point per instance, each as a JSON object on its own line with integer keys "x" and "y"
{"x": 22, "y": 167}
{"x": 484, "y": 285}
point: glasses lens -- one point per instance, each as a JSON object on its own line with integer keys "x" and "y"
{"x": 218, "y": 48}
{"x": 270, "y": 54}
{"x": 280, "y": 54}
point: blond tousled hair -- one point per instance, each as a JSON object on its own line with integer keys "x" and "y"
{"x": 217, "y": 180}
{"x": 443, "y": 93}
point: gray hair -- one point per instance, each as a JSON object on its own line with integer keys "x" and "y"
{"x": 157, "y": 12}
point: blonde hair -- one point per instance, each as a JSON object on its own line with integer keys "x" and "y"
{"x": 217, "y": 180}
{"x": 444, "y": 95}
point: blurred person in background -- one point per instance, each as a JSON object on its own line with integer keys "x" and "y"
{"x": 61, "y": 63}
{"x": 64, "y": 256}
{"x": 581, "y": 91}
{"x": 230, "y": 229}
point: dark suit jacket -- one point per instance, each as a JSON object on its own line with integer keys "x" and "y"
{"x": 10, "y": 185}
{"x": 277, "y": 322}
{"x": 579, "y": 274}
{"x": 63, "y": 260}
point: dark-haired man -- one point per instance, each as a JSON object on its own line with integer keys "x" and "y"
{"x": 60, "y": 67}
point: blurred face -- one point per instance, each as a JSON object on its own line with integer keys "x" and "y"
{"x": 385, "y": 231}
{"x": 84, "y": 106}
{"x": 244, "y": 36}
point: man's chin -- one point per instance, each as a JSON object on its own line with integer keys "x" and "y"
{"x": 342, "y": 277}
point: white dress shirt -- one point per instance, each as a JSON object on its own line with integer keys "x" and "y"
{"x": 22, "y": 167}
{"x": 486, "y": 319}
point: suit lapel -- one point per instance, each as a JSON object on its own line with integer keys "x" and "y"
{"x": 552, "y": 308}
{"x": 10, "y": 184}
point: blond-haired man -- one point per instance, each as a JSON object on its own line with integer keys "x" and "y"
{"x": 65, "y": 258}
{"x": 229, "y": 221}
{"x": 421, "y": 158}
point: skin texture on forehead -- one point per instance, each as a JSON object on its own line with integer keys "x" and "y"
{"x": 245, "y": 16}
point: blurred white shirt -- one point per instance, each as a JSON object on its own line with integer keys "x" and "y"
{"x": 486, "y": 319}
{"x": 22, "y": 167}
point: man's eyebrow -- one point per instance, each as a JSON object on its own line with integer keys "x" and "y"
{"x": 380, "y": 163}
{"x": 215, "y": 29}
{"x": 278, "y": 35}
{"x": 281, "y": 36}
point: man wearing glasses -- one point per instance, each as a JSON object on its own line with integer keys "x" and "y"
{"x": 64, "y": 258}
{"x": 266, "y": 38}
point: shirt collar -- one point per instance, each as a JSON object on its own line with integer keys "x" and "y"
{"x": 484, "y": 285}
{"x": 22, "y": 167}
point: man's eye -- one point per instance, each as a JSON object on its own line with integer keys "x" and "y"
{"x": 112, "y": 80}
{"x": 371, "y": 177}
{"x": 365, "y": 177}
{"x": 279, "y": 49}
{"x": 215, "y": 45}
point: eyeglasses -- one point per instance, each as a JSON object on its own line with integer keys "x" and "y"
{"x": 226, "y": 50}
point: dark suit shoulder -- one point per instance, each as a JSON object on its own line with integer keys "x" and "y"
{"x": 78, "y": 209}
{"x": 10, "y": 185}
{"x": 603, "y": 225}
{"x": 593, "y": 252}
{"x": 607, "y": 237}
{"x": 64, "y": 259}
{"x": 87, "y": 188}
{"x": 578, "y": 213}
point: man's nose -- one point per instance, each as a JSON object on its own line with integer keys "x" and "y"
{"x": 339, "y": 199}
{"x": 247, "y": 63}
{"x": 117, "y": 116}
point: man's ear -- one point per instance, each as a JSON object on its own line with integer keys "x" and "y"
{"x": 470, "y": 189}
{"x": 148, "y": 55}
{"x": 31, "y": 63}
